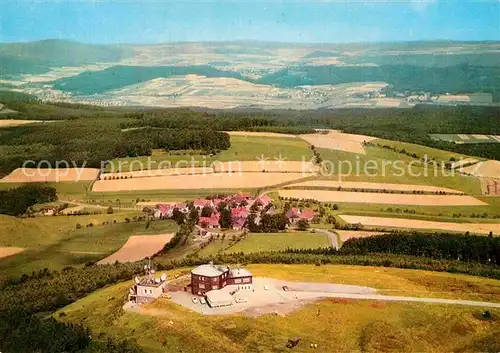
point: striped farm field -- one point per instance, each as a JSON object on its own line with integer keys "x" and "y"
{"x": 192, "y": 182}
{"x": 35, "y": 175}
{"x": 466, "y": 138}
{"x": 382, "y": 222}
{"x": 487, "y": 169}
{"x": 372, "y": 186}
{"x": 157, "y": 172}
{"x": 339, "y": 141}
{"x": 382, "y": 198}
{"x": 267, "y": 166}
{"x": 138, "y": 247}
{"x": 258, "y": 134}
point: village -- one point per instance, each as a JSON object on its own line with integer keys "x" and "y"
{"x": 210, "y": 285}
{"x": 238, "y": 212}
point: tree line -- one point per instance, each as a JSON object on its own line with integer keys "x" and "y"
{"x": 459, "y": 247}
{"x": 16, "y": 201}
{"x": 88, "y": 142}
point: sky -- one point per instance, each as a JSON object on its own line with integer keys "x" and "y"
{"x": 157, "y": 21}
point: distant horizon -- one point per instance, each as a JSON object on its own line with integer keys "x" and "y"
{"x": 255, "y": 41}
{"x": 275, "y": 21}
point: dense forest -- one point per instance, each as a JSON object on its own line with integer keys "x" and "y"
{"x": 87, "y": 142}
{"x": 16, "y": 201}
{"x": 465, "y": 248}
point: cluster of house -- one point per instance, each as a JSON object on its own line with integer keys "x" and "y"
{"x": 239, "y": 204}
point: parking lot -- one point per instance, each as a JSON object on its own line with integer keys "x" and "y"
{"x": 268, "y": 297}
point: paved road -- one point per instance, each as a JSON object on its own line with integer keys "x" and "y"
{"x": 331, "y": 235}
{"x": 403, "y": 299}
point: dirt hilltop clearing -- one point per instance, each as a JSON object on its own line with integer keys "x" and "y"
{"x": 192, "y": 182}
{"x": 33, "y": 175}
{"x": 374, "y": 186}
{"x": 157, "y": 172}
{"x": 339, "y": 141}
{"x": 9, "y": 251}
{"x": 476, "y": 228}
{"x": 382, "y": 198}
{"x": 267, "y": 166}
{"x": 138, "y": 247}
{"x": 259, "y": 134}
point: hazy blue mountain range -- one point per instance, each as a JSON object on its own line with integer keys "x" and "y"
{"x": 55, "y": 69}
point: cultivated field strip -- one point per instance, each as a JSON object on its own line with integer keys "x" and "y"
{"x": 487, "y": 169}
{"x": 138, "y": 247}
{"x": 381, "y": 198}
{"x": 258, "y": 134}
{"x": 267, "y": 166}
{"x": 29, "y": 175}
{"x": 9, "y": 251}
{"x": 157, "y": 172}
{"x": 9, "y": 122}
{"x": 382, "y": 222}
{"x": 196, "y": 182}
{"x": 373, "y": 186}
{"x": 338, "y": 141}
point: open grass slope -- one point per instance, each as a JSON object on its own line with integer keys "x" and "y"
{"x": 385, "y": 166}
{"x": 54, "y": 242}
{"x": 254, "y": 242}
{"x": 334, "y": 325}
{"x": 243, "y": 148}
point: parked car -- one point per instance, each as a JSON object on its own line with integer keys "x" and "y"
{"x": 241, "y": 300}
{"x": 285, "y": 288}
{"x": 266, "y": 287}
{"x": 203, "y": 301}
{"x": 195, "y": 300}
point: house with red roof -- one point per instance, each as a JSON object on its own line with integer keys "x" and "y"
{"x": 307, "y": 214}
{"x": 239, "y": 223}
{"x": 209, "y": 222}
{"x": 182, "y": 207}
{"x": 294, "y": 214}
{"x": 200, "y": 203}
{"x": 163, "y": 211}
{"x": 263, "y": 201}
{"x": 239, "y": 212}
{"x": 217, "y": 202}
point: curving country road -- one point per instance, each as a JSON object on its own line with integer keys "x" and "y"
{"x": 331, "y": 235}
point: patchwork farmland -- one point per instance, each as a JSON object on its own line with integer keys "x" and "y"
{"x": 334, "y": 140}
{"x": 466, "y": 138}
{"x": 196, "y": 182}
{"x": 382, "y": 187}
{"x": 401, "y": 223}
{"x": 382, "y": 198}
